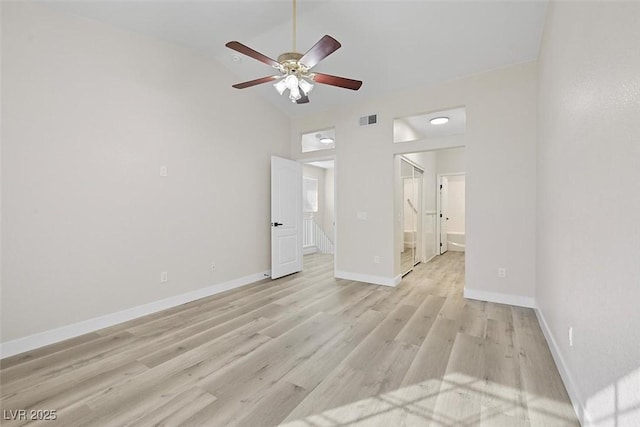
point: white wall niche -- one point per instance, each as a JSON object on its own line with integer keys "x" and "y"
{"x": 419, "y": 126}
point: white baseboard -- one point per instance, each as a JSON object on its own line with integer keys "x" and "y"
{"x": 52, "y": 336}
{"x": 376, "y": 280}
{"x": 565, "y": 374}
{"x": 432, "y": 257}
{"x": 500, "y": 298}
{"x": 309, "y": 250}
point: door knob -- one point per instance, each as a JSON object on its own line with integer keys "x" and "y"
{"x": 275, "y": 224}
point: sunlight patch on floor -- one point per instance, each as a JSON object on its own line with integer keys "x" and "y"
{"x": 459, "y": 400}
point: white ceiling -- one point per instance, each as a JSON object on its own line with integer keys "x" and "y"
{"x": 390, "y": 45}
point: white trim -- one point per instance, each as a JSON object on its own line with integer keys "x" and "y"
{"x": 319, "y": 158}
{"x": 567, "y": 378}
{"x": 335, "y": 215}
{"x": 435, "y": 143}
{"x": 309, "y": 250}
{"x": 366, "y": 278}
{"x": 52, "y": 336}
{"x": 500, "y": 298}
{"x": 432, "y": 257}
{"x": 411, "y": 162}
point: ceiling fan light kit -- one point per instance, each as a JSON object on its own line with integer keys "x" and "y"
{"x": 295, "y": 68}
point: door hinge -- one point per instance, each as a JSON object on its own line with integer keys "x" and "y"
{"x": 441, "y": 186}
{"x": 440, "y": 243}
{"x": 440, "y": 215}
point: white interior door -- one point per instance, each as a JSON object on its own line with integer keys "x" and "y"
{"x": 286, "y": 217}
{"x": 444, "y": 203}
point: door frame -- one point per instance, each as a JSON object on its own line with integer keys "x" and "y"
{"x": 306, "y": 160}
{"x": 438, "y": 220}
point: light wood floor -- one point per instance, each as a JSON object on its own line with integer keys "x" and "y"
{"x": 306, "y": 350}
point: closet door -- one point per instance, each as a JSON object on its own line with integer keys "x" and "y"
{"x": 417, "y": 204}
{"x": 408, "y": 217}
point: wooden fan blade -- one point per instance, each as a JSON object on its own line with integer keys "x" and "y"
{"x": 303, "y": 100}
{"x": 246, "y": 50}
{"x": 325, "y": 47}
{"x": 255, "y": 82}
{"x": 328, "y": 79}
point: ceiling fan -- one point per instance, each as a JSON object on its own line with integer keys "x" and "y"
{"x": 295, "y": 68}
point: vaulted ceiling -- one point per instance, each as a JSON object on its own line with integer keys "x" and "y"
{"x": 390, "y": 45}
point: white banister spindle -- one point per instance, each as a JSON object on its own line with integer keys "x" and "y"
{"x": 314, "y": 236}
{"x": 308, "y": 239}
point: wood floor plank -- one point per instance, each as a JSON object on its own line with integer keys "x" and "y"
{"x": 329, "y": 395}
{"x": 239, "y": 387}
{"x": 473, "y": 319}
{"x": 501, "y": 393}
{"x": 370, "y": 362}
{"x": 434, "y": 353}
{"x": 460, "y": 394}
{"x": 31, "y": 355}
{"x": 57, "y": 361}
{"x": 127, "y": 404}
{"x": 65, "y": 394}
{"x": 340, "y": 295}
{"x": 421, "y": 384}
{"x": 415, "y": 331}
{"x": 197, "y": 339}
{"x": 177, "y": 410}
{"x": 273, "y": 408}
{"x": 306, "y": 350}
{"x": 546, "y": 398}
{"x": 315, "y": 369}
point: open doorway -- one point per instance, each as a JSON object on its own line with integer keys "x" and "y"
{"x": 422, "y": 234}
{"x": 318, "y": 208}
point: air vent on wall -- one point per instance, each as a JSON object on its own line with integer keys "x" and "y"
{"x": 369, "y": 120}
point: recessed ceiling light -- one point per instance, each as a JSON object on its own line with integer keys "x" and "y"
{"x": 439, "y": 120}
{"x": 326, "y": 140}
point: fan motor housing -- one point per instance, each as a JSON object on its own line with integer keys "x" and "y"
{"x": 289, "y": 56}
{"x": 290, "y": 62}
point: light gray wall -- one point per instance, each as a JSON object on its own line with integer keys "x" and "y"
{"x": 450, "y": 161}
{"x": 499, "y": 161}
{"x": 90, "y": 113}
{"x": 588, "y": 202}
